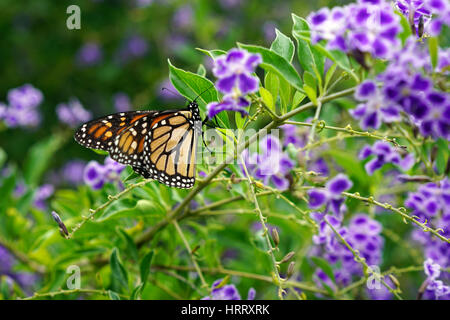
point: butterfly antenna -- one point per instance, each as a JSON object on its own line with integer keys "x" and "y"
{"x": 204, "y": 142}
{"x": 202, "y": 93}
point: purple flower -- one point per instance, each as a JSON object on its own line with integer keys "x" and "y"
{"x": 89, "y": 54}
{"x": 182, "y": 19}
{"x": 430, "y": 200}
{"x": 437, "y": 287}
{"x": 25, "y": 97}
{"x": 227, "y": 292}
{"x": 380, "y": 292}
{"x": 42, "y": 194}
{"x": 331, "y": 195}
{"x": 374, "y": 110}
{"x": 96, "y": 175}
{"x": 251, "y": 294}
{"x": 6, "y": 261}
{"x": 72, "y": 172}
{"x": 291, "y": 136}
{"x": 434, "y": 13}
{"x": 22, "y": 107}
{"x": 269, "y": 31}
{"x": 228, "y": 103}
{"x": 272, "y": 165}
{"x": 122, "y": 102}
{"x": 234, "y": 71}
{"x": 133, "y": 47}
{"x": 24, "y": 279}
{"x": 431, "y": 269}
{"x": 73, "y": 113}
{"x": 384, "y": 153}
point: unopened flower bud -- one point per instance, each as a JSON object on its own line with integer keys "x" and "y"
{"x": 275, "y": 237}
{"x": 287, "y": 257}
{"x": 290, "y": 270}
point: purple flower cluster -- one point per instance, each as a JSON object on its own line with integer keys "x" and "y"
{"x": 330, "y": 196}
{"x": 73, "y": 113}
{"x": 436, "y": 287}
{"x": 96, "y": 175}
{"x": 406, "y": 89}
{"x": 366, "y": 26}
{"x": 384, "y": 153}
{"x": 362, "y": 234}
{"x": 423, "y": 10}
{"x": 272, "y": 165}
{"x": 227, "y": 292}
{"x": 431, "y": 202}
{"x": 235, "y": 79}
{"x": 22, "y": 107}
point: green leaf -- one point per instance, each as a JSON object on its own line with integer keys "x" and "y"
{"x": 131, "y": 246}
{"x": 201, "y": 71}
{"x": 311, "y": 93}
{"x": 145, "y": 267}
{"x": 272, "y": 84}
{"x": 100, "y": 152}
{"x": 337, "y": 56}
{"x": 212, "y": 53}
{"x": 117, "y": 269}
{"x": 309, "y": 79}
{"x": 137, "y": 292}
{"x": 267, "y": 98}
{"x": 39, "y": 157}
{"x": 298, "y": 98}
{"x": 309, "y": 57}
{"x": 406, "y": 32}
{"x": 330, "y": 74}
{"x": 113, "y": 296}
{"x": 276, "y": 63}
{"x": 433, "y": 46}
{"x": 7, "y": 187}
{"x": 442, "y": 155}
{"x": 3, "y": 157}
{"x": 193, "y": 86}
{"x": 283, "y": 45}
{"x": 325, "y": 266}
{"x": 285, "y": 94}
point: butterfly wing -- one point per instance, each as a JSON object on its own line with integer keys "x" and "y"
{"x": 158, "y": 145}
{"x": 102, "y": 132}
{"x": 171, "y": 149}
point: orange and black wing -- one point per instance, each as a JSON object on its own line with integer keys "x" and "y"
{"x": 102, "y": 132}
{"x": 171, "y": 149}
{"x": 158, "y": 145}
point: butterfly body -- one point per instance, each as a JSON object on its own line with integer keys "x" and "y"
{"x": 159, "y": 145}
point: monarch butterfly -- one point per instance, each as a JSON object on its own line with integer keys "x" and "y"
{"x": 157, "y": 145}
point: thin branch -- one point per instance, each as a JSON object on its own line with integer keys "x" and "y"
{"x": 265, "y": 233}
{"x": 242, "y": 274}
{"x": 191, "y": 255}
{"x": 111, "y": 199}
